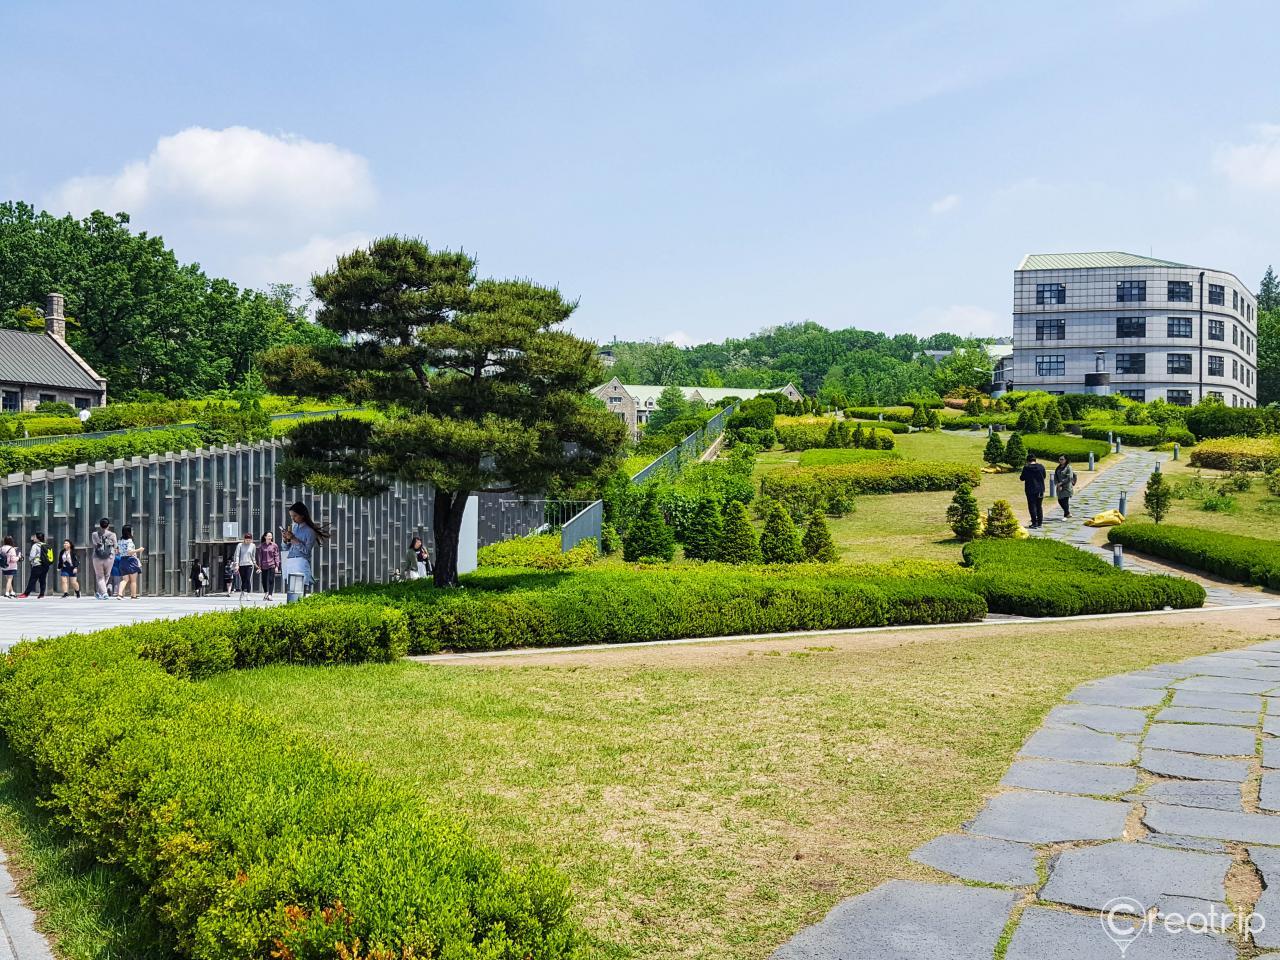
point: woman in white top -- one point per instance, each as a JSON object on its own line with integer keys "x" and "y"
{"x": 9, "y": 557}
{"x": 130, "y": 565}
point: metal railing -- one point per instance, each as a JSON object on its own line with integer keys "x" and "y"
{"x": 590, "y": 521}
{"x": 99, "y": 434}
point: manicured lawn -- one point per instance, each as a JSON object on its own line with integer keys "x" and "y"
{"x": 1257, "y": 513}
{"x": 708, "y": 801}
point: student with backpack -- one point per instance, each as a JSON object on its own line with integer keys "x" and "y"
{"x": 69, "y": 570}
{"x": 102, "y": 549}
{"x": 198, "y": 578}
{"x": 41, "y": 558}
{"x": 9, "y": 557}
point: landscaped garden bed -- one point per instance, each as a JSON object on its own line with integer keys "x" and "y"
{"x": 1051, "y": 446}
{"x": 1238, "y": 453}
{"x": 1243, "y": 559}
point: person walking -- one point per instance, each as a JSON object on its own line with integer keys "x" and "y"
{"x": 198, "y": 578}
{"x": 9, "y": 557}
{"x": 68, "y": 570}
{"x": 228, "y": 567}
{"x": 102, "y": 556}
{"x": 40, "y": 560}
{"x": 1033, "y": 478}
{"x": 246, "y": 560}
{"x": 300, "y": 539}
{"x": 269, "y": 563}
{"x": 130, "y": 564}
{"x": 1064, "y": 484}
{"x": 417, "y": 560}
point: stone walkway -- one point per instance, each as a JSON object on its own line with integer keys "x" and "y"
{"x": 1140, "y": 822}
{"x": 19, "y": 939}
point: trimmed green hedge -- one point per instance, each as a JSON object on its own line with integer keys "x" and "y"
{"x": 807, "y": 489}
{"x": 893, "y": 426}
{"x": 1045, "y": 578}
{"x": 1237, "y": 453}
{"x": 900, "y": 414}
{"x": 1207, "y": 420}
{"x": 1051, "y": 446}
{"x": 247, "y": 840}
{"x": 539, "y": 552}
{"x": 819, "y": 457}
{"x": 66, "y": 453}
{"x": 1243, "y": 559}
{"x": 1138, "y": 435}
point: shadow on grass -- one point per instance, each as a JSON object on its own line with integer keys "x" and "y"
{"x": 90, "y": 910}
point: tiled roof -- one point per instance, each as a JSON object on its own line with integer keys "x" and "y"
{"x": 36, "y": 359}
{"x": 1078, "y": 261}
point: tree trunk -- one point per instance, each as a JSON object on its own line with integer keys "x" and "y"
{"x": 446, "y": 524}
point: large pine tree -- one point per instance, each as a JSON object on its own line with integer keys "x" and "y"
{"x": 478, "y": 388}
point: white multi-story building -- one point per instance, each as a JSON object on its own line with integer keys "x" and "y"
{"x": 1134, "y": 326}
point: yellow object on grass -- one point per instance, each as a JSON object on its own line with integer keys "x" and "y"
{"x": 1107, "y": 518}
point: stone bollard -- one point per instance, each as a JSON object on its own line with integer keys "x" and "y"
{"x": 1111, "y": 437}
{"x": 1124, "y": 503}
{"x": 1091, "y": 461}
{"x": 1053, "y": 488}
{"x": 1117, "y": 555}
{"x": 1176, "y": 449}
{"x": 1117, "y": 447}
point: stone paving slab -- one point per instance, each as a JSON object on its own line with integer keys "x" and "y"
{"x": 1176, "y": 842}
{"x": 1225, "y": 685}
{"x": 981, "y": 859}
{"x": 1210, "y": 739}
{"x": 1045, "y": 934}
{"x": 903, "y": 920}
{"x": 1118, "y": 696}
{"x": 1089, "y": 877}
{"x": 1233, "y": 718}
{"x": 1191, "y": 767}
{"x": 1079, "y": 745}
{"x": 1097, "y": 718}
{"x": 1090, "y": 779}
{"x": 1250, "y": 703}
{"x": 1210, "y": 794}
{"x": 1269, "y": 792}
{"x": 1049, "y": 818}
{"x": 1216, "y": 824}
{"x": 1271, "y": 754}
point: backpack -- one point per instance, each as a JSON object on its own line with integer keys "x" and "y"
{"x": 48, "y": 555}
{"x": 104, "y": 548}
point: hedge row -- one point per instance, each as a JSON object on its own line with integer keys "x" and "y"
{"x": 825, "y": 458}
{"x": 807, "y": 489}
{"x": 1051, "y": 446}
{"x": 1237, "y": 453}
{"x": 1138, "y": 435}
{"x": 66, "y": 453}
{"x": 506, "y": 609}
{"x": 1001, "y": 421}
{"x": 538, "y": 552}
{"x": 806, "y": 433}
{"x": 900, "y": 414}
{"x": 247, "y": 840}
{"x": 1045, "y": 578}
{"x": 893, "y": 426}
{"x": 1244, "y": 559}
{"x": 1208, "y": 420}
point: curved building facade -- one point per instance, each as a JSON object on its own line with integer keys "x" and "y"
{"x": 1134, "y": 326}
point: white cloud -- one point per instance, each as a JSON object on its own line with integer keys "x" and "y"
{"x": 680, "y": 339}
{"x": 1254, "y": 165}
{"x": 233, "y": 175}
{"x": 962, "y": 319}
{"x": 296, "y": 265}
{"x": 945, "y": 204}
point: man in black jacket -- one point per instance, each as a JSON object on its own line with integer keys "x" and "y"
{"x": 1033, "y": 477}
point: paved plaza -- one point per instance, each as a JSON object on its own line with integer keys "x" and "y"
{"x": 1144, "y": 805}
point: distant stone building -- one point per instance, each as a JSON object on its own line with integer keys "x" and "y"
{"x": 40, "y": 367}
{"x": 634, "y": 403}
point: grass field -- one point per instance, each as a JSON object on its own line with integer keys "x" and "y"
{"x": 911, "y": 524}
{"x": 708, "y": 801}
{"x": 1257, "y": 513}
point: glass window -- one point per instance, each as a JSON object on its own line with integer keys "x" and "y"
{"x": 1217, "y": 366}
{"x": 1131, "y": 327}
{"x": 1180, "y": 291}
{"x": 1235, "y": 299}
{"x": 1235, "y": 335}
{"x": 1051, "y": 329}
{"x": 1179, "y": 398}
{"x": 1131, "y": 363}
{"x": 1051, "y": 366}
{"x": 10, "y": 401}
{"x": 1235, "y": 369}
{"x": 48, "y": 398}
{"x": 1051, "y": 293}
{"x": 1139, "y": 395}
{"x": 83, "y": 403}
{"x": 1217, "y": 330}
{"x": 1217, "y": 294}
{"x": 1215, "y": 395}
{"x": 1179, "y": 326}
{"x": 1179, "y": 363}
{"x": 1131, "y": 291}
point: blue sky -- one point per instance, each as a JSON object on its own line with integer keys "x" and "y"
{"x": 691, "y": 171}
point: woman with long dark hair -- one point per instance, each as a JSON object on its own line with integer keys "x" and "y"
{"x": 300, "y": 539}
{"x": 417, "y": 560}
{"x": 269, "y": 563}
{"x": 69, "y": 570}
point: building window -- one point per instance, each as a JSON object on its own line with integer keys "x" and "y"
{"x": 615, "y": 399}
{"x": 1052, "y": 329}
{"x": 1217, "y": 330}
{"x": 1179, "y": 326}
{"x": 1180, "y": 291}
{"x": 1235, "y": 369}
{"x": 83, "y": 403}
{"x": 1235, "y": 335}
{"x": 1217, "y": 294}
{"x": 1215, "y": 395}
{"x": 1131, "y": 327}
{"x": 1179, "y": 363}
{"x": 10, "y": 401}
{"x": 1054, "y": 365}
{"x": 1139, "y": 395}
{"x": 1131, "y": 363}
{"x": 1131, "y": 291}
{"x": 1051, "y": 293}
{"x": 47, "y": 398}
{"x": 1179, "y": 398}
{"x": 1217, "y": 366}
{"x": 1235, "y": 299}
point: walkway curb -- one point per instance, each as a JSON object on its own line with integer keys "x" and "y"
{"x": 21, "y": 940}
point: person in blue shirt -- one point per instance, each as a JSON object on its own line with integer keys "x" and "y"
{"x": 300, "y": 539}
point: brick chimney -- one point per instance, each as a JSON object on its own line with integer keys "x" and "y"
{"x": 55, "y": 324}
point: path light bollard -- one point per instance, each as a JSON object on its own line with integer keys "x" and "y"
{"x": 1176, "y": 448}
{"x": 1053, "y": 487}
{"x": 1111, "y": 437}
{"x": 1091, "y": 461}
{"x": 1124, "y": 503}
{"x": 1117, "y": 447}
{"x": 990, "y": 429}
{"x": 882, "y": 418}
{"x": 1117, "y": 555}
{"x": 1157, "y": 469}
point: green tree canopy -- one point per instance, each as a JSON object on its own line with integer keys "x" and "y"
{"x": 479, "y": 388}
{"x": 671, "y": 407}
